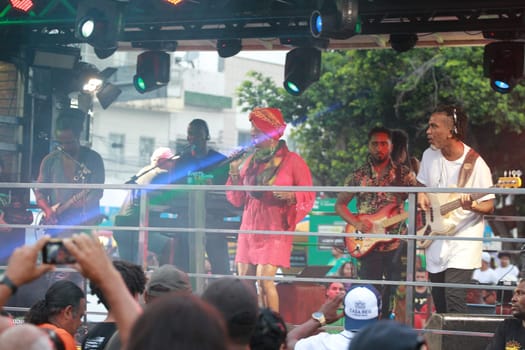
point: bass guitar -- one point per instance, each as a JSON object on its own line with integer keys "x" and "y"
{"x": 436, "y": 222}
{"x": 60, "y": 208}
{"x": 360, "y": 245}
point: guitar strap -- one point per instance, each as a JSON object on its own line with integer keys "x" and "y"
{"x": 467, "y": 167}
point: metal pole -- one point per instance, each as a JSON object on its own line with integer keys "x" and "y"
{"x": 197, "y": 213}
{"x": 411, "y": 258}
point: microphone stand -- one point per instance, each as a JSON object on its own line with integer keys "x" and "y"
{"x": 134, "y": 178}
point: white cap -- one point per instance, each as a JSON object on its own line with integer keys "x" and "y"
{"x": 161, "y": 153}
{"x": 362, "y": 305}
{"x": 485, "y": 257}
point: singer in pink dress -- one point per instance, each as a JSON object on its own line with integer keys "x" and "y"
{"x": 272, "y": 164}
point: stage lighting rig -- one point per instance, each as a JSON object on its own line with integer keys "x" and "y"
{"x": 153, "y": 71}
{"x": 503, "y": 63}
{"x": 229, "y": 48}
{"x": 302, "y": 68}
{"x": 402, "y": 42}
{"x": 335, "y": 19}
{"x": 99, "y": 23}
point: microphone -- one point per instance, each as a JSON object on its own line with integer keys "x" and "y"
{"x": 236, "y": 154}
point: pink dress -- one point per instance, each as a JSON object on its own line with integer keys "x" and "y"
{"x": 269, "y": 213}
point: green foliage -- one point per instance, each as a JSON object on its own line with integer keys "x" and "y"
{"x": 359, "y": 89}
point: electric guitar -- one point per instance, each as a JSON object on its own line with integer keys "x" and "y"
{"x": 361, "y": 245}
{"x": 435, "y": 221}
{"x": 60, "y": 208}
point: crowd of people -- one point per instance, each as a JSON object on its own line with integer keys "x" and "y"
{"x": 229, "y": 307}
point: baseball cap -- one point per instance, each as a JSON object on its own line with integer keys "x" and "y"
{"x": 386, "y": 334}
{"x": 362, "y": 305}
{"x": 485, "y": 257}
{"x": 168, "y": 278}
{"x": 161, "y": 153}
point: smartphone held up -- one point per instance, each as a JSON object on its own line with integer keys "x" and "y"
{"x": 54, "y": 252}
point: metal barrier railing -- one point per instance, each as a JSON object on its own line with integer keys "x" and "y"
{"x": 197, "y": 228}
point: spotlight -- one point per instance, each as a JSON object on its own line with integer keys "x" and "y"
{"x": 337, "y": 20}
{"x": 104, "y": 53}
{"x": 99, "y": 23}
{"x": 503, "y": 63}
{"x": 229, "y": 48}
{"x": 153, "y": 71}
{"x": 108, "y": 94}
{"x": 403, "y": 42}
{"x": 302, "y": 68}
{"x": 87, "y": 78}
{"x": 173, "y": 2}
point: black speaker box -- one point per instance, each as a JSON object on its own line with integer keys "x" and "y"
{"x": 464, "y": 323}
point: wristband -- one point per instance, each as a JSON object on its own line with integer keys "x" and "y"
{"x": 8, "y": 283}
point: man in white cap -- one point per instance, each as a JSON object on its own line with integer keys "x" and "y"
{"x": 362, "y": 306}
{"x": 485, "y": 274}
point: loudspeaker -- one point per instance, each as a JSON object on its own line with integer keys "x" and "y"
{"x": 297, "y": 301}
{"x": 460, "y": 322}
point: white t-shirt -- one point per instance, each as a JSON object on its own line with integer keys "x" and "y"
{"x": 509, "y": 273}
{"x": 437, "y": 171}
{"x": 325, "y": 341}
{"x": 487, "y": 276}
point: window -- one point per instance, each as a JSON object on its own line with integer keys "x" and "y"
{"x": 116, "y": 147}
{"x": 146, "y": 148}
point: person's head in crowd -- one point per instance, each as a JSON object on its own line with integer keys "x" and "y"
{"x": 389, "y": 335}
{"x": 29, "y": 337}
{"x": 198, "y": 135}
{"x": 518, "y": 301}
{"x": 400, "y": 146}
{"x": 179, "y": 321}
{"x": 162, "y": 157}
{"x": 64, "y": 305}
{"x": 270, "y": 331}
{"x": 347, "y": 270}
{"x": 485, "y": 261}
{"x": 421, "y": 275}
{"x": 68, "y": 128}
{"x": 133, "y": 276}
{"x": 333, "y": 289}
{"x": 166, "y": 279}
{"x": 362, "y": 306}
{"x": 456, "y": 121}
{"x": 504, "y": 259}
{"x": 237, "y": 303}
{"x": 267, "y": 126}
{"x": 379, "y": 144}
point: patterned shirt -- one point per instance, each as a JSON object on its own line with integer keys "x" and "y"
{"x": 371, "y": 202}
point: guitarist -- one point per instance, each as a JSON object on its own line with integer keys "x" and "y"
{"x": 448, "y": 163}
{"x": 70, "y": 163}
{"x": 384, "y": 260}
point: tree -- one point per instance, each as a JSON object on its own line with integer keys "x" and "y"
{"x": 360, "y": 89}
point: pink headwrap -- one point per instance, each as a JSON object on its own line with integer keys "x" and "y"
{"x": 269, "y": 120}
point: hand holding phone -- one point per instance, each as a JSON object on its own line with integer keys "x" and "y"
{"x": 54, "y": 252}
